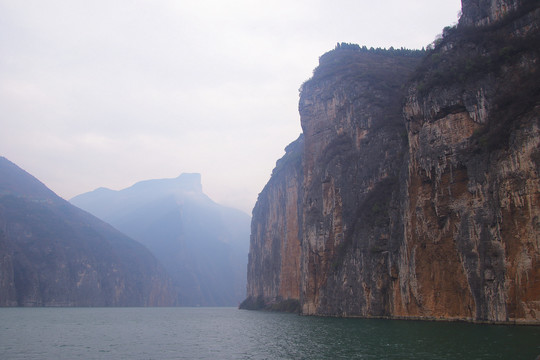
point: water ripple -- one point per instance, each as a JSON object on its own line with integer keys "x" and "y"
{"x": 226, "y": 333}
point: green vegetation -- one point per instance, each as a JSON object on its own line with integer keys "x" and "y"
{"x": 360, "y": 63}
{"x": 377, "y": 76}
{"x": 474, "y": 57}
{"x": 381, "y": 51}
{"x": 512, "y": 102}
{"x": 465, "y": 55}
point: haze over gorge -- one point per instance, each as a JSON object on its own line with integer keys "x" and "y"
{"x": 201, "y": 244}
{"x": 413, "y": 192}
{"x": 414, "y": 189}
{"x": 55, "y": 254}
{"x": 183, "y": 249}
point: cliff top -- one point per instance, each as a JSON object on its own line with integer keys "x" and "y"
{"x": 347, "y": 60}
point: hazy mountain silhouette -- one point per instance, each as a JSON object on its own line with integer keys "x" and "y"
{"x": 202, "y": 244}
{"x": 54, "y": 254}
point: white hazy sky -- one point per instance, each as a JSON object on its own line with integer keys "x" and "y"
{"x": 111, "y": 92}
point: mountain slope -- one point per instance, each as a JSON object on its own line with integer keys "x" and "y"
{"x": 54, "y": 254}
{"x": 203, "y": 245}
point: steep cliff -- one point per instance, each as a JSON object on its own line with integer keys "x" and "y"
{"x": 418, "y": 180}
{"x": 276, "y": 229}
{"x": 54, "y": 254}
{"x": 355, "y": 145}
{"x": 334, "y": 192}
{"x": 472, "y": 234}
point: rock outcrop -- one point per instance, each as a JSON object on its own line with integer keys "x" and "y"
{"x": 485, "y": 12}
{"x": 275, "y": 253}
{"x": 54, "y": 254}
{"x": 417, "y": 188}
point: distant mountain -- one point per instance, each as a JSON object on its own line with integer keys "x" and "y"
{"x": 54, "y": 254}
{"x": 202, "y": 244}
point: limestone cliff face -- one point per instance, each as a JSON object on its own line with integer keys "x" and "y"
{"x": 484, "y": 12}
{"x": 355, "y": 145}
{"x": 332, "y": 198}
{"x": 274, "y": 257}
{"x": 417, "y": 194}
{"x": 472, "y": 235}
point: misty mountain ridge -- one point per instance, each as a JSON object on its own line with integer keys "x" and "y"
{"x": 55, "y": 254}
{"x": 143, "y": 191}
{"x": 15, "y": 181}
{"x": 202, "y": 244}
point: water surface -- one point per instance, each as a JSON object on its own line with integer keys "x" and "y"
{"x": 228, "y": 333}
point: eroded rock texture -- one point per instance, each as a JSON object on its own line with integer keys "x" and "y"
{"x": 416, "y": 189}
{"x": 355, "y": 144}
{"x": 275, "y": 253}
{"x": 471, "y": 222}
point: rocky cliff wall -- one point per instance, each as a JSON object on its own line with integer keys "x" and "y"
{"x": 471, "y": 245}
{"x": 274, "y": 259}
{"x": 484, "y": 12}
{"x": 420, "y": 194}
{"x": 355, "y": 144}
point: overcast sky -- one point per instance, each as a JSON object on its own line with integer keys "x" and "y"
{"x": 108, "y": 93}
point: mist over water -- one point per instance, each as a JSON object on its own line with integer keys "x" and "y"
{"x": 228, "y": 333}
